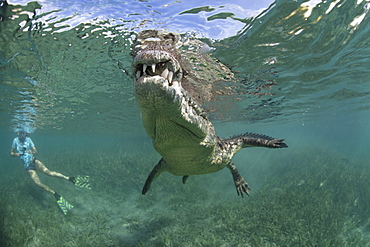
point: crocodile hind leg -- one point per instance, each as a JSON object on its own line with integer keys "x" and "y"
{"x": 153, "y": 175}
{"x": 240, "y": 184}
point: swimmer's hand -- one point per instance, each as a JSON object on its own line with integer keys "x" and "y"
{"x": 14, "y": 154}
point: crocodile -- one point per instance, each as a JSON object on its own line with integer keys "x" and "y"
{"x": 177, "y": 124}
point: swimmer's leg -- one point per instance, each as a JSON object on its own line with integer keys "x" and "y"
{"x": 62, "y": 203}
{"x": 37, "y": 181}
{"x": 42, "y": 168}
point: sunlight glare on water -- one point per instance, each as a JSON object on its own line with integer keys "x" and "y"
{"x": 74, "y": 63}
{"x": 74, "y": 60}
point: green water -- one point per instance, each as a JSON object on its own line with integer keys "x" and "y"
{"x": 301, "y": 196}
{"x": 299, "y": 75}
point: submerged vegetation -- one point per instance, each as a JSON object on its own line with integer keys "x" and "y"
{"x": 315, "y": 198}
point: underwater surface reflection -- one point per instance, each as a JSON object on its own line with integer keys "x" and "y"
{"x": 289, "y": 61}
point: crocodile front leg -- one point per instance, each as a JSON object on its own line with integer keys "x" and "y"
{"x": 235, "y": 143}
{"x": 158, "y": 169}
{"x": 263, "y": 142}
{"x": 240, "y": 184}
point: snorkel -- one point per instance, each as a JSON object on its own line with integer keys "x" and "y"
{"x": 22, "y": 135}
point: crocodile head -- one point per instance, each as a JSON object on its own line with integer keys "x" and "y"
{"x": 155, "y": 54}
{"x": 167, "y": 108}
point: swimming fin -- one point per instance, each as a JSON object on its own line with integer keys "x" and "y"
{"x": 63, "y": 204}
{"x": 81, "y": 181}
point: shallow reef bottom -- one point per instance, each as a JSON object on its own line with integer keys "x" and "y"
{"x": 315, "y": 198}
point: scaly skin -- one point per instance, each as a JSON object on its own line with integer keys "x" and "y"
{"x": 177, "y": 124}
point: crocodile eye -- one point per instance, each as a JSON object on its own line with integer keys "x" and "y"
{"x": 170, "y": 36}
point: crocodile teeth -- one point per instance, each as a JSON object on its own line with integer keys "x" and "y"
{"x": 165, "y": 73}
{"x": 170, "y": 76}
{"x": 144, "y": 68}
{"x": 175, "y": 84}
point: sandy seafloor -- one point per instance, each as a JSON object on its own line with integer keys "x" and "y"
{"x": 309, "y": 194}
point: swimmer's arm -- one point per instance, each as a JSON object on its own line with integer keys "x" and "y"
{"x": 33, "y": 150}
{"x": 13, "y": 153}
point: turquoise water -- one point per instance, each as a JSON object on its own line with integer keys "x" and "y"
{"x": 301, "y": 72}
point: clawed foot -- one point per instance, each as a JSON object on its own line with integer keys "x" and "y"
{"x": 242, "y": 187}
{"x": 240, "y": 184}
{"x": 277, "y": 143}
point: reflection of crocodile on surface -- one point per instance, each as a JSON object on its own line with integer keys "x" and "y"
{"x": 166, "y": 90}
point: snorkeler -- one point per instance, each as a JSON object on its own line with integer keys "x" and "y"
{"x": 24, "y": 148}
